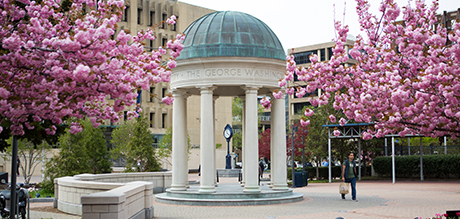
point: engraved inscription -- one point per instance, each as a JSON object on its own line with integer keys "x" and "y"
{"x": 227, "y": 72}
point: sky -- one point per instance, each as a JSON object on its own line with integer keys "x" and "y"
{"x": 300, "y": 23}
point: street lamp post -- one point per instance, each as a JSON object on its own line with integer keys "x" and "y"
{"x": 292, "y": 156}
{"x": 14, "y": 166}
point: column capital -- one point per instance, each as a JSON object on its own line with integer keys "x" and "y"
{"x": 206, "y": 89}
{"x": 179, "y": 93}
{"x": 251, "y": 89}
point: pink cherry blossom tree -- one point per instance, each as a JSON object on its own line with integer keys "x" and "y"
{"x": 64, "y": 59}
{"x": 407, "y": 76}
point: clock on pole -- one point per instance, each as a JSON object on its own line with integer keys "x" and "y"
{"x": 228, "y": 133}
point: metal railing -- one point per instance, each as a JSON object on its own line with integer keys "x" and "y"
{"x": 265, "y": 118}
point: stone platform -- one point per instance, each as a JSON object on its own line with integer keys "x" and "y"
{"x": 228, "y": 172}
{"x": 228, "y": 195}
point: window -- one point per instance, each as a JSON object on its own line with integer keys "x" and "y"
{"x": 303, "y": 57}
{"x": 163, "y": 92}
{"x": 298, "y": 107}
{"x": 164, "y": 42}
{"x": 174, "y": 26}
{"x": 139, "y": 96}
{"x": 151, "y": 45}
{"x": 163, "y": 21}
{"x": 329, "y": 51}
{"x": 314, "y": 93}
{"x": 152, "y": 18}
{"x": 322, "y": 55}
{"x": 125, "y": 115}
{"x": 152, "y": 120}
{"x": 152, "y": 92}
{"x": 296, "y": 78}
{"x": 163, "y": 120}
{"x": 125, "y": 14}
{"x": 139, "y": 16}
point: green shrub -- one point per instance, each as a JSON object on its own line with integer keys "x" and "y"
{"x": 336, "y": 172}
{"x": 434, "y": 166}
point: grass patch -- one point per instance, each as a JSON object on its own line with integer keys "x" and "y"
{"x": 324, "y": 181}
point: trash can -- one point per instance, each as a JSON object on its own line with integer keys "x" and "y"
{"x": 306, "y": 178}
{"x": 299, "y": 179}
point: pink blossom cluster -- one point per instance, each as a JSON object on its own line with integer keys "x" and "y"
{"x": 55, "y": 64}
{"x": 265, "y": 102}
{"x": 406, "y": 78}
{"x": 168, "y": 99}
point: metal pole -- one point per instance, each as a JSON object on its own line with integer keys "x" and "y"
{"x": 303, "y": 155}
{"x": 292, "y": 156}
{"x": 445, "y": 145}
{"x": 43, "y": 162}
{"x": 421, "y": 160}
{"x": 408, "y": 146}
{"x": 393, "y": 158}
{"x": 14, "y": 166}
{"x": 228, "y": 164}
{"x": 329, "y": 157}
{"x": 386, "y": 151}
{"x": 359, "y": 157}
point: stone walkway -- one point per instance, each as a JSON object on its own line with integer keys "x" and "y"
{"x": 377, "y": 199}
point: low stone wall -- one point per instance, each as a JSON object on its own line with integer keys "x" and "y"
{"x": 133, "y": 200}
{"x": 119, "y": 188}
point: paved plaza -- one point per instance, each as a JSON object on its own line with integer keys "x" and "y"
{"x": 376, "y": 199}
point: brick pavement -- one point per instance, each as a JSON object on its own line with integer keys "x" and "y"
{"x": 377, "y": 199}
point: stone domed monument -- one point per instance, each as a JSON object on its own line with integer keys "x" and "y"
{"x": 229, "y": 53}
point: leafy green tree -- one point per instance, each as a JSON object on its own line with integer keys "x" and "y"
{"x": 237, "y": 140}
{"x": 165, "y": 146}
{"x": 237, "y": 114}
{"x": 317, "y": 139}
{"x": 121, "y": 137}
{"x": 84, "y": 152}
{"x": 135, "y": 146}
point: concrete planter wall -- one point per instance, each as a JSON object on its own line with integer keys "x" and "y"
{"x": 115, "y": 195}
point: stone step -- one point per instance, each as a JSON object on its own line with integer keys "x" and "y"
{"x": 229, "y": 195}
{"x": 293, "y": 197}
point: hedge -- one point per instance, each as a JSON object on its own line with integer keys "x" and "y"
{"x": 324, "y": 172}
{"x": 434, "y": 166}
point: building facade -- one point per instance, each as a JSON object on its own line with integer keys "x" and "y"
{"x": 143, "y": 14}
{"x": 301, "y": 57}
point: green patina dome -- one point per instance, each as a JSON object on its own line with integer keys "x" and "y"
{"x": 230, "y": 33}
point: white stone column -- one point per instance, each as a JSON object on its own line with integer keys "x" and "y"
{"x": 251, "y": 142}
{"x": 278, "y": 146}
{"x": 179, "y": 143}
{"x": 185, "y": 155}
{"x": 214, "y": 98}
{"x": 272, "y": 145}
{"x": 243, "y": 148}
{"x": 206, "y": 141}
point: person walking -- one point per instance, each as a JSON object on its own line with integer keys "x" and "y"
{"x": 349, "y": 174}
{"x": 261, "y": 169}
{"x": 325, "y": 163}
